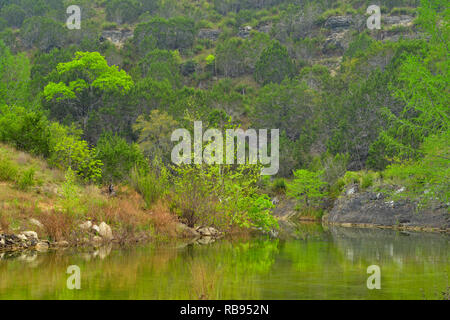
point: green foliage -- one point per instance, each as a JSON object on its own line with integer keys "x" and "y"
{"x": 423, "y": 87}
{"x": 427, "y": 178}
{"x": 160, "y": 65}
{"x": 274, "y": 65}
{"x": 14, "y": 77}
{"x": 222, "y": 196}
{"x": 70, "y": 201}
{"x": 13, "y": 14}
{"x": 122, "y": 11}
{"x": 26, "y": 179}
{"x": 72, "y": 152}
{"x": 154, "y": 134}
{"x": 8, "y": 170}
{"x": 27, "y": 130}
{"x": 279, "y": 185}
{"x": 260, "y": 213}
{"x": 118, "y": 157}
{"x": 88, "y": 81}
{"x": 43, "y": 33}
{"x": 159, "y": 33}
{"x": 152, "y": 183}
{"x": 307, "y": 187}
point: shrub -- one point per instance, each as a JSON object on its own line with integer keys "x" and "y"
{"x": 279, "y": 185}
{"x": 151, "y": 183}
{"x": 25, "y": 129}
{"x": 8, "y": 170}
{"x": 70, "y": 201}
{"x": 72, "y": 152}
{"x": 118, "y": 157}
{"x": 307, "y": 187}
{"x": 366, "y": 181}
{"x": 26, "y": 179}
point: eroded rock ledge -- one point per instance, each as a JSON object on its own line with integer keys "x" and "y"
{"x": 370, "y": 209}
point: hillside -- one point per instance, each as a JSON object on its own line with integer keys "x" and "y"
{"x": 100, "y": 107}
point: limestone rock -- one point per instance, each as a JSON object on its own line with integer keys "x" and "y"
{"x": 86, "y": 225}
{"x": 335, "y": 22}
{"x": 105, "y": 231}
{"x": 41, "y": 246}
{"x": 30, "y": 235}
{"x": 208, "y": 232}
{"x": 96, "y": 228}
{"x": 184, "y": 230}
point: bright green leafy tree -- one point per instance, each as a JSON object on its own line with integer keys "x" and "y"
{"x": 86, "y": 81}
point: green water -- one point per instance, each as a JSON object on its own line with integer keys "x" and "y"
{"x": 310, "y": 264}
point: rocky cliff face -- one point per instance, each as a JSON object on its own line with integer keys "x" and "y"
{"x": 118, "y": 37}
{"x": 375, "y": 210}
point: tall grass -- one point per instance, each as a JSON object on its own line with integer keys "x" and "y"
{"x": 26, "y": 179}
{"x": 151, "y": 184}
{"x": 8, "y": 170}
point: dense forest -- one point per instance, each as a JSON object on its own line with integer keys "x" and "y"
{"x": 100, "y": 103}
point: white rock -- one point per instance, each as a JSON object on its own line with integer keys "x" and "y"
{"x": 208, "y": 231}
{"x": 96, "y": 228}
{"x": 105, "y": 231}
{"x": 86, "y": 225}
{"x": 30, "y": 235}
{"x": 96, "y": 240}
{"x": 22, "y": 237}
{"x": 400, "y": 190}
{"x": 351, "y": 191}
{"x": 42, "y": 246}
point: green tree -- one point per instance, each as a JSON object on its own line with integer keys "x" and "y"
{"x": 43, "y": 33}
{"x": 87, "y": 81}
{"x": 118, "y": 157}
{"x": 14, "y": 77}
{"x": 14, "y": 15}
{"x": 122, "y": 11}
{"x": 154, "y": 134}
{"x": 161, "y": 64}
{"x": 274, "y": 65}
{"x": 307, "y": 187}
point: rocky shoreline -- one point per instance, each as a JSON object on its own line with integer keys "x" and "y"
{"x": 375, "y": 210}
{"x": 93, "y": 235}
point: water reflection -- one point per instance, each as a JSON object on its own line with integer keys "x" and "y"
{"x": 307, "y": 263}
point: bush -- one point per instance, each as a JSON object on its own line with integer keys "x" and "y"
{"x": 118, "y": 157}
{"x": 366, "y": 181}
{"x": 8, "y": 170}
{"x": 69, "y": 151}
{"x": 221, "y": 196}
{"x": 26, "y": 179}
{"x": 151, "y": 183}
{"x": 70, "y": 201}
{"x": 27, "y": 130}
{"x": 279, "y": 185}
{"x": 307, "y": 187}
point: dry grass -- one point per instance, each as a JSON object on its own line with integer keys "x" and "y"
{"x": 4, "y": 224}
{"x": 57, "y": 225}
{"x": 125, "y": 212}
{"x": 164, "y": 222}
